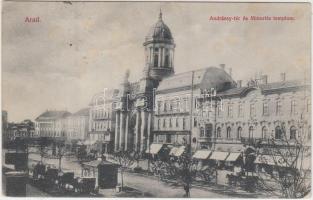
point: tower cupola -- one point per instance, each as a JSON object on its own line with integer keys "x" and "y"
{"x": 159, "y": 51}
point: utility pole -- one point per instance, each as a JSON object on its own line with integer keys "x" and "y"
{"x": 191, "y": 112}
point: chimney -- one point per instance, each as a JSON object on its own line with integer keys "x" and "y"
{"x": 222, "y": 66}
{"x": 239, "y": 83}
{"x": 283, "y": 77}
{"x": 264, "y": 79}
{"x": 230, "y": 71}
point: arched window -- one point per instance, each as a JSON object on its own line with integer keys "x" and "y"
{"x": 293, "y": 133}
{"x": 228, "y": 132}
{"x": 278, "y": 133}
{"x": 251, "y": 129}
{"x": 218, "y": 132}
{"x": 239, "y": 131}
{"x": 264, "y": 132}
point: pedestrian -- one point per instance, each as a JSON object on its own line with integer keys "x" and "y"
{"x": 187, "y": 189}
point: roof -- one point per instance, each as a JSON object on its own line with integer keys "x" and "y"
{"x": 219, "y": 155}
{"x": 82, "y": 112}
{"x": 154, "y": 148}
{"x": 202, "y": 154}
{"x": 206, "y": 78}
{"x": 241, "y": 91}
{"x": 52, "y": 115}
{"x": 159, "y": 31}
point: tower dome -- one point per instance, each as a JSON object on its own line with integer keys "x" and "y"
{"x": 159, "y": 49}
{"x": 159, "y": 32}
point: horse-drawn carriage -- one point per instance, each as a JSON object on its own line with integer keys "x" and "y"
{"x": 52, "y": 179}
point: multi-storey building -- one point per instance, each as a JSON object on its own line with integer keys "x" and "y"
{"x": 51, "y": 124}
{"x": 256, "y": 112}
{"x": 102, "y": 120}
{"x": 174, "y": 118}
{"x": 25, "y": 129}
{"x": 77, "y": 125}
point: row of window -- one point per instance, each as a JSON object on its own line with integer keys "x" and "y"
{"x": 265, "y": 109}
{"x": 101, "y": 126}
{"x": 99, "y": 114}
{"x": 175, "y": 105}
{"x": 172, "y": 123}
{"x": 279, "y": 134}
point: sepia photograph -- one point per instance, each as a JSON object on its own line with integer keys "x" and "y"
{"x": 156, "y": 99}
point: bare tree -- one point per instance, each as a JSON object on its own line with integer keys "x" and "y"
{"x": 43, "y": 144}
{"x": 183, "y": 169}
{"x": 284, "y": 166}
{"x": 61, "y": 152}
{"x": 125, "y": 159}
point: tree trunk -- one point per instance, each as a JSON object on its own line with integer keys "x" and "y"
{"x": 60, "y": 160}
{"x": 122, "y": 179}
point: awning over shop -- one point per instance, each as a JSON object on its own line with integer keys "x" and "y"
{"x": 154, "y": 148}
{"x": 219, "y": 155}
{"x": 177, "y": 151}
{"x": 202, "y": 154}
{"x": 233, "y": 157}
{"x": 271, "y": 160}
{"x": 89, "y": 142}
{"x": 173, "y": 151}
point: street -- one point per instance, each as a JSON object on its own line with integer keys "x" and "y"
{"x": 150, "y": 186}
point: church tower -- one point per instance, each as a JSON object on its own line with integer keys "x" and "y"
{"x": 159, "y": 51}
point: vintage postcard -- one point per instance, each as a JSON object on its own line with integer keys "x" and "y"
{"x": 156, "y": 99}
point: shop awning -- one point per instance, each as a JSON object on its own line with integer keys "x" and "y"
{"x": 154, "y": 148}
{"x": 177, "y": 151}
{"x": 202, "y": 154}
{"x": 233, "y": 157}
{"x": 173, "y": 151}
{"x": 89, "y": 142}
{"x": 271, "y": 160}
{"x": 219, "y": 155}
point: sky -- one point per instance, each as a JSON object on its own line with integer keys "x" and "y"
{"x": 78, "y": 49}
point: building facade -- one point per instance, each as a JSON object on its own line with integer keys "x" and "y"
{"x": 51, "y": 124}
{"x": 257, "y": 112}
{"x": 102, "y": 120}
{"x": 77, "y": 125}
{"x": 25, "y": 129}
